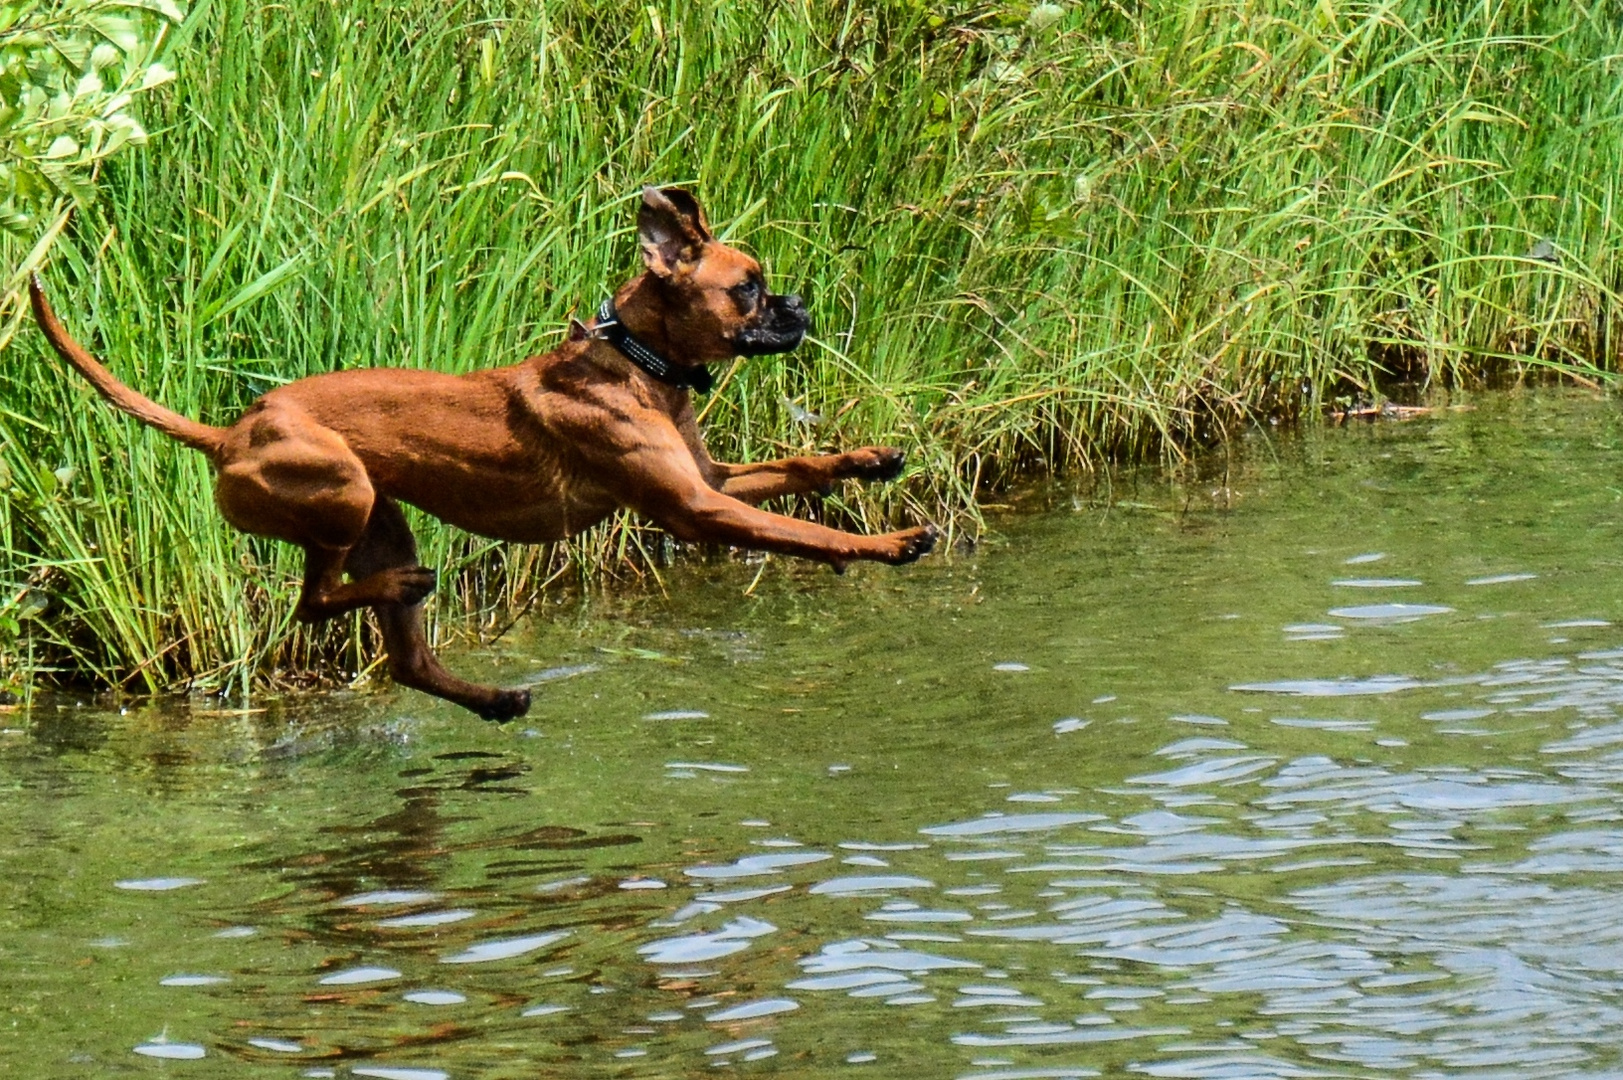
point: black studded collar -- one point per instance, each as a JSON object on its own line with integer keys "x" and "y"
{"x": 610, "y": 328}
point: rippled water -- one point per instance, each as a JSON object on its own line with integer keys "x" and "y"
{"x": 1169, "y": 789}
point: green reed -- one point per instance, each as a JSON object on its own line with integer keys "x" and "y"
{"x": 1049, "y": 237}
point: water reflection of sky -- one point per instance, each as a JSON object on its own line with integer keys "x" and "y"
{"x": 1487, "y": 966}
{"x": 1371, "y": 846}
{"x": 1359, "y": 917}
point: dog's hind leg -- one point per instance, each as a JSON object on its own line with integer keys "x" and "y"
{"x": 325, "y": 594}
{"x": 288, "y": 477}
{"x": 387, "y": 545}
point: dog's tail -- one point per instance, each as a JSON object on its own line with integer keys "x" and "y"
{"x": 193, "y": 434}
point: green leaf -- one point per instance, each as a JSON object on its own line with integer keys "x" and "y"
{"x": 254, "y": 289}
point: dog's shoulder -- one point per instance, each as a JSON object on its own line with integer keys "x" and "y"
{"x": 586, "y": 395}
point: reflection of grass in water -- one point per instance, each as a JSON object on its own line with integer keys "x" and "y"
{"x": 1051, "y": 239}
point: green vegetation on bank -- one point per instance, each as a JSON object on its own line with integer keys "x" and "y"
{"x": 70, "y": 72}
{"x": 1046, "y": 235}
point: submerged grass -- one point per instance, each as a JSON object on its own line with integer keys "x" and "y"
{"x": 1049, "y": 235}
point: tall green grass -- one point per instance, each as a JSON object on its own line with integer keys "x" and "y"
{"x": 1043, "y": 236}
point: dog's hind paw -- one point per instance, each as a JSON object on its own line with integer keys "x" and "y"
{"x": 411, "y": 584}
{"x": 505, "y": 705}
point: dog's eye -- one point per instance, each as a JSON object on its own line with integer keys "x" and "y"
{"x": 747, "y": 293}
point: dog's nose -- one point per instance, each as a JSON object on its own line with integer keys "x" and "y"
{"x": 795, "y": 311}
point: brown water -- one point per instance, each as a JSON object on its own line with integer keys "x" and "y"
{"x": 1307, "y": 770}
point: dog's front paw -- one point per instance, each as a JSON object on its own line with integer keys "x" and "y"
{"x": 874, "y": 463}
{"x": 909, "y": 545}
{"x": 505, "y": 705}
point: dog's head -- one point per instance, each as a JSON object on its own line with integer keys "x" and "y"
{"x": 714, "y": 298}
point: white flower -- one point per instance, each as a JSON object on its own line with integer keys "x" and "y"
{"x": 1044, "y": 15}
{"x": 155, "y": 75}
{"x": 123, "y": 128}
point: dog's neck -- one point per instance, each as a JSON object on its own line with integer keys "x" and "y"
{"x": 612, "y": 330}
{"x": 633, "y": 324}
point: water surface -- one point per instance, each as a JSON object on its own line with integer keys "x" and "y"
{"x": 1305, "y": 764}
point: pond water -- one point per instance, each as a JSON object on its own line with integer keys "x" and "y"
{"x": 1305, "y": 766}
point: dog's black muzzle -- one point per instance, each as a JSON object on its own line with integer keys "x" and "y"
{"x": 783, "y": 324}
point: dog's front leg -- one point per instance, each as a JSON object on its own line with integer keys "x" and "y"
{"x": 758, "y": 482}
{"x": 646, "y": 464}
{"x": 671, "y": 490}
{"x": 704, "y": 515}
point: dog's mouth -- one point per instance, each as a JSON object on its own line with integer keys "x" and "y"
{"x": 783, "y": 325}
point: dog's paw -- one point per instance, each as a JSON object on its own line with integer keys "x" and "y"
{"x": 505, "y": 705}
{"x": 874, "y": 463}
{"x": 908, "y": 546}
{"x": 411, "y": 584}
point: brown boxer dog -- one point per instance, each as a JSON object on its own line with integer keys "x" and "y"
{"x": 529, "y": 453}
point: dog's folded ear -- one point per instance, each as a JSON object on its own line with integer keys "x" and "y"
{"x": 673, "y": 231}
